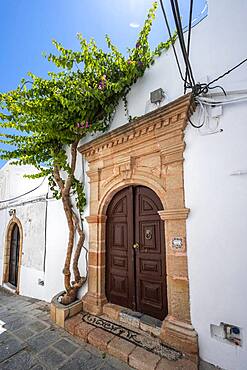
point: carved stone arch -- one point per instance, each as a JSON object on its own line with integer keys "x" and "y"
{"x": 146, "y": 152}
{"x": 137, "y": 179}
{"x": 14, "y": 221}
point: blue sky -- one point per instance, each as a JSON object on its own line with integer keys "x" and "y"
{"x": 28, "y": 26}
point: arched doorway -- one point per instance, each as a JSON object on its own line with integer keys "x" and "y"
{"x": 14, "y": 255}
{"x": 135, "y": 252}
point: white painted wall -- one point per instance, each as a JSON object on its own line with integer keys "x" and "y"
{"x": 45, "y": 236}
{"x": 218, "y": 201}
{"x": 30, "y": 210}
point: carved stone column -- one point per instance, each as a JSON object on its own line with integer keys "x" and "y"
{"x": 177, "y": 330}
{"x": 94, "y": 300}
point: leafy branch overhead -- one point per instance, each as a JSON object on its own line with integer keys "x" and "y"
{"x": 52, "y": 115}
{"x": 78, "y": 99}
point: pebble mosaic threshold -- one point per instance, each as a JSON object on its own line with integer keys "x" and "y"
{"x": 142, "y": 352}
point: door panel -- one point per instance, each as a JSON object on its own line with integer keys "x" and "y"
{"x": 136, "y": 278}
{"x": 150, "y": 256}
{"x": 119, "y": 236}
{"x": 14, "y": 255}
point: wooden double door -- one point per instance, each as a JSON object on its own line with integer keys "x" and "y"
{"x": 135, "y": 252}
{"x": 14, "y": 255}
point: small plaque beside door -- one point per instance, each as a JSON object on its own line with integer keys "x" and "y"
{"x": 177, "y": 243}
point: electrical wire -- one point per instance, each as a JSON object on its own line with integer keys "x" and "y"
{"x": 28, "y": 192}
{"x": 188, "y": 41}
{"x": 177, "y": 18}
{"x": 208, "y": 101}
{"x": 170, "y": 35}
{"x": 227, "y": 72}
{"x": 197, "y": 88}
{"x": 205, "y": 102}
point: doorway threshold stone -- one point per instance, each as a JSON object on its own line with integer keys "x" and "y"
{"x": 134, "y": 319}
{"x": 11, "y": 288}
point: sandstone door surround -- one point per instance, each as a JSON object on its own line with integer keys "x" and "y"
{"x": 148, "y": 152}
{"x": 14, "y": 221}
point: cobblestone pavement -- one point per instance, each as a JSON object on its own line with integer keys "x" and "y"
{"x": 30, "y": 340}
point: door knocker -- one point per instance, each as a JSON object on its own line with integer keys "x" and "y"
{"x": 148, "y": 234}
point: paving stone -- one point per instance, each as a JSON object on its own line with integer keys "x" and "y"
{"x": 100, "y": 338}
{"x": 5, "y": 336}
{"x": 38, "y": 342}
{"x": 94, "y": 351}
{"x": 38, "y": 326}
{"x": 20, "y": 305}
{"x": 39, "y": 367}
{"x": 82, "y": 330}
{"x": 65, "y": 346}
{"x": 51, "y": 349}
{"x": 36, "y": 312}
{"x": 117, "y": 364}
{"x": 24, "y": 333}
{"x": 120, "y": 348}
{"x": 20, "y": 361}
{"x": 8, "y": 317}
{"x": 51, "y": 357}
{"x": 28, "y": 308}
{"x": 9, "y": 347}
{"x": 144, "y": 360}
{"x": 77, "y": 362}
{"x": 16, "y": 324}
{"x": 182, "y": 364}
{"x": 45, "y": 317}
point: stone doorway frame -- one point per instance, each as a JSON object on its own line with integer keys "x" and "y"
{"x": 14, "y": 221}
{"x": 147, "y": 152}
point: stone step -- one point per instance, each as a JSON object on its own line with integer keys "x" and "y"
{"x": 133, "y": 318}
{"x": 139, "y": 350}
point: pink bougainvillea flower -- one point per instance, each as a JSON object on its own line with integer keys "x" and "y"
{"x": 87, "y": 124}
{"x": 138, "y": 45}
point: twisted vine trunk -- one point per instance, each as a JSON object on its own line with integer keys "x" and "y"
{"x": 71, "y": 287}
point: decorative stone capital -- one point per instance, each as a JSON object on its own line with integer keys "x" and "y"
{"x": 174, "y": 214}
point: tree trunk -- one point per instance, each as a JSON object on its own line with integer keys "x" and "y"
{"x": 74, "y": 226}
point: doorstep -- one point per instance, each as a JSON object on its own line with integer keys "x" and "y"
{"x": 133, "y": 318}
{"x": 137, "y": 348}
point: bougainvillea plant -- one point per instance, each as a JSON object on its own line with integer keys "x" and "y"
{"x": 54, "y": 114}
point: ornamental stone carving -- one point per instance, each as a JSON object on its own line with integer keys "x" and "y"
{"x": 148, "y": 152}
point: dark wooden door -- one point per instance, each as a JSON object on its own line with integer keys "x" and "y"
{"x": 14, "y": 255}
{"x": 135, "y": 250}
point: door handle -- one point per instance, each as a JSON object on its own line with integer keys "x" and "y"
{"x": 136, "y": 246}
